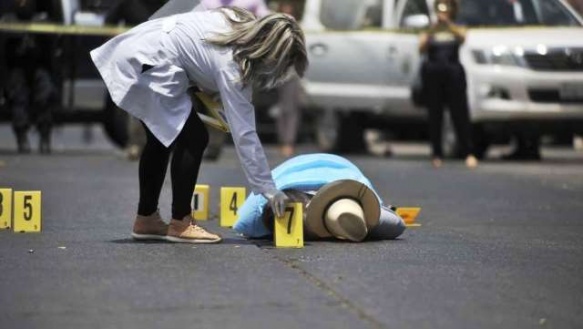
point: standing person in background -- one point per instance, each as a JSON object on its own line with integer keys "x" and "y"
{"x": 32, "y": 94}
{"x": 445, "y": 80}
{"x": 148, "y": 71}
{"x": 288, "y": 104}
{"x": 131, "y": 13}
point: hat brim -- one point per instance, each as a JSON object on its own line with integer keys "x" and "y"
{"x": 316, "y": 210}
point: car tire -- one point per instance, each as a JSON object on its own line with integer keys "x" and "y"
{"x": 115, "y": 123}
{"x": 340, "y": 132}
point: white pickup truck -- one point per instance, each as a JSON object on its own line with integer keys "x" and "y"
{"x": 524, "y": 66}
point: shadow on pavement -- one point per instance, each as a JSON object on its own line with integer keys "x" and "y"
{"x": 228, "y": 241}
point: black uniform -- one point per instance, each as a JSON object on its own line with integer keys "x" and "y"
{"x": 31, "y": 92}
{"x": 445, "y": 81}
{"x": 132, "y": 12}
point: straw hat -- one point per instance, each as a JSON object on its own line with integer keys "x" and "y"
{"x": 345, "y": 209}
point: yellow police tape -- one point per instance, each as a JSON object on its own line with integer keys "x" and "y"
{"x": 46, "y": 28}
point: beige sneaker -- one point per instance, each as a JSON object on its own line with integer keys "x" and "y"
{"x": 150, "y": 227}
{"x": 187, "y": 231}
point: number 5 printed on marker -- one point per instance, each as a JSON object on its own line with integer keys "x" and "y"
{"x": 28, "y": 207}
{"x": 27, "y": 211}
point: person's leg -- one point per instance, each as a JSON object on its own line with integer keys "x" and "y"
{"x": 186, "y": 160}
{"x": 434, "y": 91}
{"x": 152, "y": 171}
{"x": 44, "y": 101}
{"x": 390, "y": 226}
{"x": 458, "y": 106}
{"x": 457, "y": 100}
{"x": 18, "y": 99}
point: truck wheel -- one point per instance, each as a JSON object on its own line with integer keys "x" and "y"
{"x": 115, "y": 123}
{"x": 340, "y": 132}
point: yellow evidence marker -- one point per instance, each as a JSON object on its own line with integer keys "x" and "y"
{"x": 231, "y": 199}
{"x": 200, "y": 202}
{"x": 289, "y": 229}
{"x": 27, "y": 211}
{"x": 5, "y": 208}
{"x": 409, "y": 214}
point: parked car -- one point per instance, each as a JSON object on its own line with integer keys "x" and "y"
{"x": 524, "y": 67}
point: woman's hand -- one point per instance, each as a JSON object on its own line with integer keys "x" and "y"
{"x": 277, "y": 201}
{"x": 444, "y": 21}
{"x": 443, "y": 18}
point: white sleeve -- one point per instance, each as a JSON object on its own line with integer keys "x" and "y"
{"x": 240, "y": 115}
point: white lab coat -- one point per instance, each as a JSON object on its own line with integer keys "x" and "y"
{"x": 149, "y": 68}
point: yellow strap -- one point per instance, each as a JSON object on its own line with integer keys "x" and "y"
{"x": 216, "y": 120}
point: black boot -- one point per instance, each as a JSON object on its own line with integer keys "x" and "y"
{"x": 45, "y": 143}
{"x": 22, "y": 142}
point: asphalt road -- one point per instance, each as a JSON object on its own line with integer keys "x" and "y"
{"x": 499, "y": 247}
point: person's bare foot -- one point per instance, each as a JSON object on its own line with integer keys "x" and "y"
{"x": 287, "y": 151}
{"x": 471, "y": 161}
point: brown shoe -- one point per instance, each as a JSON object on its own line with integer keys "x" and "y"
{"x": 187, "y": 231}
{"x": 150, "y": 227}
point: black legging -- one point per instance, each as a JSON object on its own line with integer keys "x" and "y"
{"x": 187, "y": 152}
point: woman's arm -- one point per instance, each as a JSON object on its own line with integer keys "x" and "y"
{"x": 423, "y": 42}
{"x": 458, "y": 31}
{"x": 240, "y": 115}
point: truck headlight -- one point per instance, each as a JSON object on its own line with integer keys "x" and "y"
{"x": 499, "y": 55}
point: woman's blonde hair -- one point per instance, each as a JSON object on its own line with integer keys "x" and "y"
{"x": 268, "y": 50}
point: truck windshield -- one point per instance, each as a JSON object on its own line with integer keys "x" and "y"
{"x": 515, "y": 12}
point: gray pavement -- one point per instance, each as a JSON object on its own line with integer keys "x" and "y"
{"x": 499, "y": 247}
